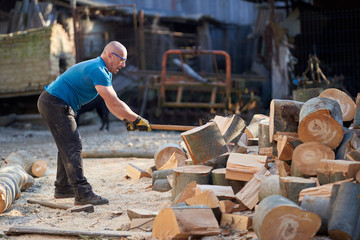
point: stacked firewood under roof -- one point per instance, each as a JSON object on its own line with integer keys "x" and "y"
{"x": 290, "y": 175}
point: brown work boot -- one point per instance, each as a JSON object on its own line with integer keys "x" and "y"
{"x": 90, "y": 198}
{"x": 64, "y": 193}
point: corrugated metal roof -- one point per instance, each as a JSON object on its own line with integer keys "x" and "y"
{"x": 227, "y": 11}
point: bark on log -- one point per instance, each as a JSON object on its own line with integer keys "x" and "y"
{"x": 329, "y": 171}
{"x": 218, "y": 162}
{"x": 117, "y": 154}
{"x": 230, "y": 127}
{"x": 269, "y": 186}
{"x": 218, "y": 178}
{"x": 163, "y": 153}
{"x": 345, "y": 212}
{"x": 346, "y": 103}
{"x": 161, "y": 174}
{"x": 265, "y": 146}
{"x": 204, "y": 142}
{"x": 32, "y": 166}
{"x": 182, "y": 176}
{"x": 174, "y": 223}
{"x": 307, "y": 156}
{"x": 290, "y": 187}
{"x": 318, "y": 205}
{"x": 350, "y": 142}
{"x": 358, "y": 177}
{"x": 321, "y": 121}
{"x": 284, "y": 116}
{"x": 276, "y": 217}
{"x": 13, "y": 180}
{"x": 357, "y": 112}
{"x": 161, "y": 185}
{"x": 242, "y": 167}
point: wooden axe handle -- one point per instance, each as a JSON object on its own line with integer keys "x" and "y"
{"x": 171, "y": 127}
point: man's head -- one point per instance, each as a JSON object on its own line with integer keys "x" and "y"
{"x": 114, "y": 55}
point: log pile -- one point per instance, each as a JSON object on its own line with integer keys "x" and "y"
{"x": 300, "y": 154}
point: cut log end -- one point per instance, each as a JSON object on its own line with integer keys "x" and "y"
{"x": 38, "y": 168}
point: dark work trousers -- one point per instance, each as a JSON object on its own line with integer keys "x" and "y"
{"x": 60, "y": 119}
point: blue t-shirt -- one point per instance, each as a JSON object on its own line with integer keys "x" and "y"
{"x": 76, "y": 86}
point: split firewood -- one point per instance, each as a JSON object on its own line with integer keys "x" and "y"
{"x": 13, "y": 180}
{"x": 175, "y": 160}
{"x": 320, "y": 206}
{"x": 83, "y": 208}
{"x": 258, "y": 117}
{"x": 346, "y": 209}
{"x": 34, "y": 167}
{"x": 186, "y": 193}
{"x": 204, "y": 142}
{"x": 218, "y": 177}
{"x": 143, "y": 224}
{"x": 252, "y": 130}
{"x": 226, "y": 206}
{"x": 163, "y": 153}
{"x": 236, "y": 222}
{"x": 346, "y": 103}
{"x": 329, "y": 171}
{"x": 285, "y": 149}
{"x": 290, "y": 187}
{"x": 282, "y": 167}
{"x": 307, "y": 156}
{"x": 249, "y": 194}
{"x": 321, "y": 121}
{"x": 174, "y": 223}
{"x": 151, "y": 170}
{"x": 265, "y": 146}
{"x": 221, "y": 192}
{"x": 242, "y": 167}
{"x": 350, "y": 142}
{"x": 291, "y": 136}
{"x": 284, "y": 116}
{"x": 207, "y": 198}
{"x": 270, "y": 185}
{"x": 276, "y": 217}
{"x": 357, "y": 112}
{"x": 217, "y": 162}
{"x": 140, "y": 213}
{"x": 321, "y": 191}
{"x": 230, "y": 127}
{"x": 354, "y": 155}
{"x": 135, "y": 172}
{"x": 182, "y": 176}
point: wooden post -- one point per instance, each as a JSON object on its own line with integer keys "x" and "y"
{"x": 321, "y": 121}
{"x": 276, "y": 217}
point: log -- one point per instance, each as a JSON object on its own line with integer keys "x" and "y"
{"x": 13, "y": 180}
{"x": 230, "y": 127}
{"x": 347, "y": 105}
{"x": 269, "y": 186}
{"x": 173, "y": 223}
{"x": 357, "y": 112}
{"x": 163, "y": 153}
{"x": 221, "y": 192}
{"x": 320, "y": 191}
{"x": 226, "y": 206}
{"x": 140, "y": 213}
{"x": 318, "y": 205}
{"x": 249, "y": 194}
{"x": 34, "y": 167}
{"x": 276, "y": 217}
{"x": 350, "y": 142}
{"x": 358, "y": 177}
{"x": 182, "y": 176}
{"x": 284, "y": 116}
{"x": 135, "y": 172}
{"x": 175, "y": 160}
{"x": 321, "y": 121}
{"x": 117, "y": 154}
{"x": 265, "y": 146}
{"x": 345, "y": 212}
{"x": 329, "y": 171}
{"x": 161, "y": 185}
{"x": 242, "y": 167}
{"x": 304, "y": 94}
{"x": 161, "y": 174}
{"x": 204, "y": 142}
{"x": 236, "y": 222}
{"x": 307, "y": 156}
{"x": 290, "y": 187}
{"x": 19, "y": 230}
{"x": 218, "y": 178}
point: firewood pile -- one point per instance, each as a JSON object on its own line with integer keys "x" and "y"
{"x": 290, "y": 175}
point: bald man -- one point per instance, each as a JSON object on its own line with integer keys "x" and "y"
{"x": 58, "y": 105}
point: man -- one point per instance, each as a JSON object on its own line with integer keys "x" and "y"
{"x": 58, "y": 106}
